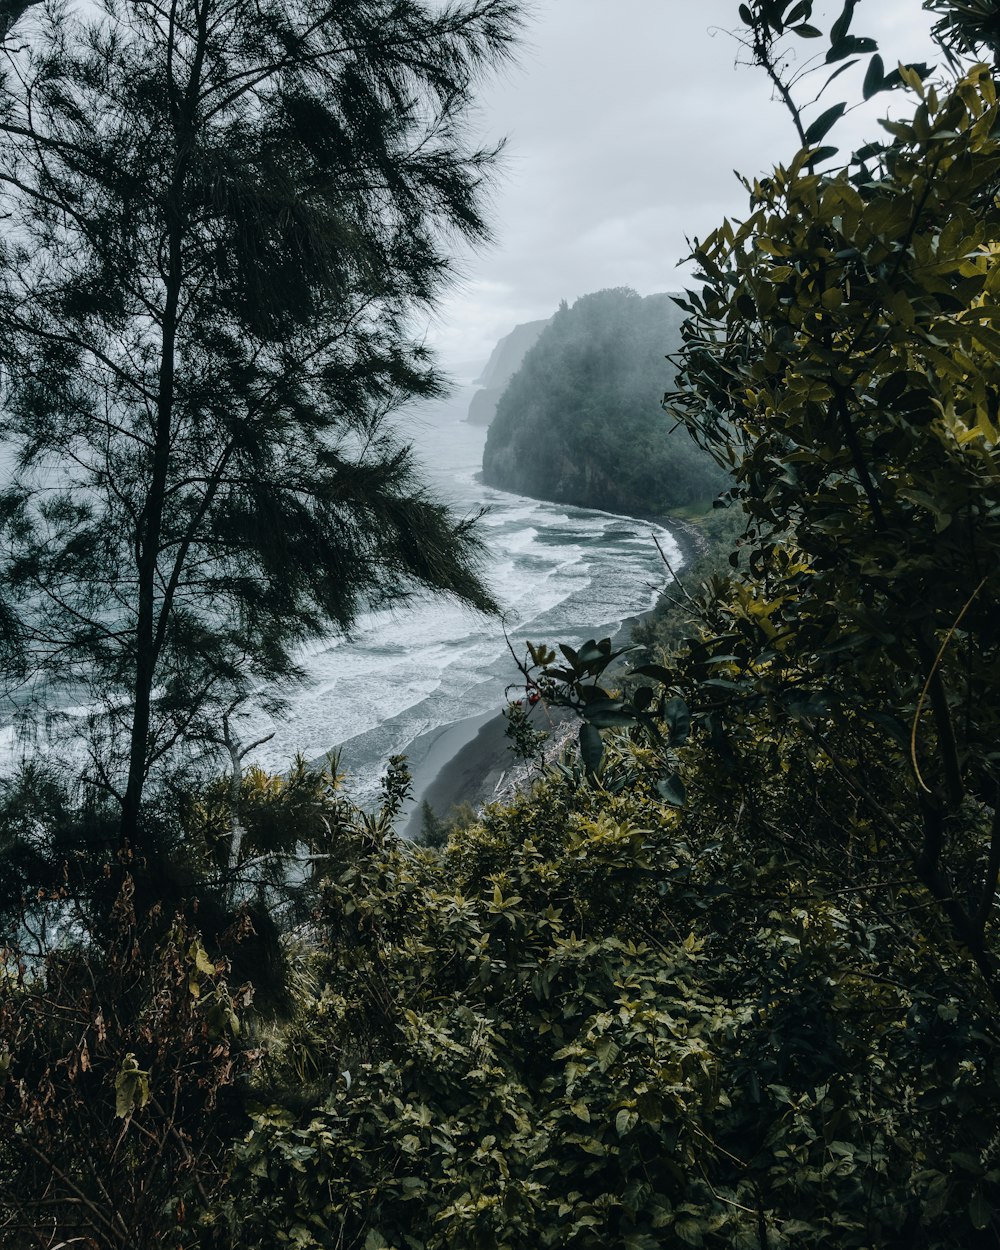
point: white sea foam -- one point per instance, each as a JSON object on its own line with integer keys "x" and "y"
{"x": 561, "y": 573}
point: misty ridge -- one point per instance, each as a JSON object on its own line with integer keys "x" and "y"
{"x": 505, "y": 360}
{"x": 581, "y": 421}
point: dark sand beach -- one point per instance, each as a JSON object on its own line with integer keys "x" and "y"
{"x": 468, "y": 761}
{"x": 459, "y": 763}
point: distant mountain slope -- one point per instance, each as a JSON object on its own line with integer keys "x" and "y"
{"x": 580, "y": 422}
{"x": 504, "y": 361}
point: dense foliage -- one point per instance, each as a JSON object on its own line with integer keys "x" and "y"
{"x": 593, "y": 1020}
{"x": 842, "y": 358}
{"x": 580, "y": 421}
{"x": 728, "y": 976}
{"x": 119, "y": 1063}
{"x": 600, "y": 1022}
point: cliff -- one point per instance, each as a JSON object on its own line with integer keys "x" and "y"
{"x": 504, "y": 362}
{"x": 580, "y": 421}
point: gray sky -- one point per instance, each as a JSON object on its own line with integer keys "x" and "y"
{"x": 625, "y": 120}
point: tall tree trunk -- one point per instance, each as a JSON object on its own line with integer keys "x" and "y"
{"x": 147, "y": 551}
{"x": 149, "y": 632}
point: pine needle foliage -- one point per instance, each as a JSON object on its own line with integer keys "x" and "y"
{"x": 221, "y": 221}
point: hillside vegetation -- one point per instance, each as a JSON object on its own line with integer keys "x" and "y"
{"x": 728, "y": 976}
{"x": 580, "y": 422}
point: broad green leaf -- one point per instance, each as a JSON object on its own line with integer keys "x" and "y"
{"x": 848, "y": 46}
{"x": 823, "y": 124}
{"x": 843, "y": 23}
{"x": 678, "y": 719}
{"x": 643, "y": 697}
{"x": 591, "y": 747}
{"x": 607, "y": 1051}
{"x": 656, "y": 671}
{"x": 611, "y": 715}
{"x": 625, "y": 1121}
{"x": 671, "y": 790}
{"x": 201, "y": 959}
{"x": 131, "y": 1088}
{"x": 874, "y": 77}
{"x": 980, "y": 1211}
{"x": 690, "y": 1232}
{"x": 592, "y": 651}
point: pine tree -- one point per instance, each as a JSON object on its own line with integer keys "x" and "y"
{"x": 220, "y": 222}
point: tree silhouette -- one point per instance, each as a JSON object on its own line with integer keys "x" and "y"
{"x": 221, "y": 220}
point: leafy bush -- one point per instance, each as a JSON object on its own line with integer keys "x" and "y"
{"x": 119, "y": 1071}
{"x": 602, "y": 1021}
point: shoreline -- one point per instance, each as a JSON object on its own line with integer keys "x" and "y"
{"x": 470, "y": 760}
{"x": 686, "y": 535}
{"x": 436, "y": 768}
{"x": 459, "y": 763}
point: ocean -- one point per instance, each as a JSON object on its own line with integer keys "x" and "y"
{"x": 562, "y": 574}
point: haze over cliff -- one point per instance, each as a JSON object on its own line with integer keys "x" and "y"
{"x": 504, "y": 362}
{"x": 580, "y": 421}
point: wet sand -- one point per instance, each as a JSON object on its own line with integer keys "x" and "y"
{"x": 467, "y": 761}
{"x": 459, "y": 763}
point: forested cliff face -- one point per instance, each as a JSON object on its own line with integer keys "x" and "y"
{"x": 580, "y": 422}
{"x": 504, "y": 362}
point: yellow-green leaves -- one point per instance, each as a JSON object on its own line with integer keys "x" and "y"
{"x": 131, "y": 1088}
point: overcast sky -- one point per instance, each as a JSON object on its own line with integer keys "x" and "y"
{"x": 625, "y": 120}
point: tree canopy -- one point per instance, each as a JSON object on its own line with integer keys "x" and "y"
{"x": 220, "y": 222}
{"x": 841, "y": 359}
